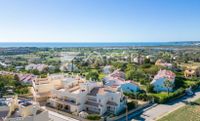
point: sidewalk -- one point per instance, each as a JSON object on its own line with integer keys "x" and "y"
{"x": 58, "y": 117}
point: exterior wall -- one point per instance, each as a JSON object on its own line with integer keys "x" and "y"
{"x": 107, "y": 70}
{"x": 159, "y": 85}
{"x": 128, "y": 87}
{"x": 112, "y": 97}
{"x": 41, "y": 89}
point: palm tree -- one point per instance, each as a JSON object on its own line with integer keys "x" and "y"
{"x": 168, "y": 84}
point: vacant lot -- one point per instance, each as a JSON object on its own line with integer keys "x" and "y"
{"x": 190, "y": 112}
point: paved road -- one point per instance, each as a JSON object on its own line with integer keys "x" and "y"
{"x": 159, "y": 110}
{"x": 58, "y": 117}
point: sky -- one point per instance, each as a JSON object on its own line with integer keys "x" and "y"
{"x": 99, "y": 20}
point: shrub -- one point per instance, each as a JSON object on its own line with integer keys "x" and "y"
{"x": 149, "y": 88}
{"x": 132, "y": 105}
{"x": 93, "y": 117}
{"x": 164, "y": 97}
{"x": 139, "y": 95}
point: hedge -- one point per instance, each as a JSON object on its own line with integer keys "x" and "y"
{"x": 164, "y": 97}
{"x": 93, "y": 117}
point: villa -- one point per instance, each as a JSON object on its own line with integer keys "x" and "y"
{"x": 25, "y": 111}
{"x": 159, "y": 80}
{"x": 23, "y": 78}
{"x": 192, "y": 71}
{"x": 139, "y": 59}
{"x": 78, "y": 95}
{"x": 39, "y": 67}
{"x": 107, "y": 69}
{"x": 118, "y": 74}
{"x": 117, "y": 80}
{"x": 69, "y": 67}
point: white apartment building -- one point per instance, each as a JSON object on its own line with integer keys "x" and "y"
{"x": 79, "y": 95}
{"x": 41, "y": 87}
{"x": 25, "y": 111}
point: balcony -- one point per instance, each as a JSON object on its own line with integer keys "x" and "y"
{"x": 92, "y": 98}
{"x": 64, "y": 102}
{"x": 111, "y": 104}
{"x": 92, "y": 104}
{"x": 74, "y": 88}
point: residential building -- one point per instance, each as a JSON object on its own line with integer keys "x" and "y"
{"x": 151, "y": 58}
{"x": 159, "y": 80}
{"x": 163, "y": 63}
{"x": 23, "y": 78}
{"x": 41, "y": 87}
{"x": 3, "y": 64}
{"x": 69, "y": 67}
{"x": 118, "y": 74}
{"x": 39, "y": 67}
{"x": 107, "y": 69}
{"x": 79, "y": 95}
{"x": 139, "y": 59}
{"x": 25, "y": 111}
{"x": 117, "y": 80}
{"x": 192, "y": 71}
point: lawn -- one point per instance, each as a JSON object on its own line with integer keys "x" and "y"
{"x": 187, "y": 113}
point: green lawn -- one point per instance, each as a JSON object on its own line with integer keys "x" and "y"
{"x": 186, "y": 113}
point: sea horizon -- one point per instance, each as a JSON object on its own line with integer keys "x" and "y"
{"x": 95, "y": 44}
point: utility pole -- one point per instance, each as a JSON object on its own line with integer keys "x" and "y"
{"x": 126, "y": 108}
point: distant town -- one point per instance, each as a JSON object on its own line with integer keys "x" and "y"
{"x": 100, "y": 83}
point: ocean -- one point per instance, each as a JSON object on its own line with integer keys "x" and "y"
{"x": 93, "y": 44}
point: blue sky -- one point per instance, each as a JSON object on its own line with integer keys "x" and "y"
{"x": 99, "y": 20}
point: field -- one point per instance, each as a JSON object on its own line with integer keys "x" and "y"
{"x": 190, "y": 112}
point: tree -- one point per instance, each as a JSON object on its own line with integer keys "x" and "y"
{"x": 16, "y": 77}
{"x": 168, "y": 84}
{"x": 149, "y": 88}
{"x": 130, "y": 75}
{"x": 147, "y": 60}
{"x": 93, "y": 75}
{"x": 130, "y": 67}
{"x": 135, "y": 75}
{"x": 119, "y": 65}
{"x": 35, "y": 72}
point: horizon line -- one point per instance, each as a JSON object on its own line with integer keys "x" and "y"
{"x": 95, "y": 42}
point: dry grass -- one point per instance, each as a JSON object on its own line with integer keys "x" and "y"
{"x": 189, "y": 112}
